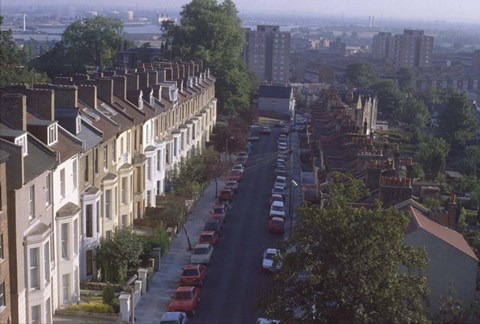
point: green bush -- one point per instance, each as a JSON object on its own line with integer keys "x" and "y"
{"x": 92, "y": 308}
{"x": 159, "y": 238}
{"x": 108, "y": 294}
{"x": 116, "y": 305}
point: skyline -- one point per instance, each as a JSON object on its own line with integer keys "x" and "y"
{"x": 428, "y": 10}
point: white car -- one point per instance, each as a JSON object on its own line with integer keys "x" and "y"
{"x": 268, "y": 261}
{"x": 202, "y": 253}
{"x": 239, "y": 167}
{"x": 277, "y": 209}
{"x": 280, "y": 181}
{"x": 282, "y": 147}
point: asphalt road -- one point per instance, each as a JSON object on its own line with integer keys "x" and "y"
{"x": 235, "y": 279}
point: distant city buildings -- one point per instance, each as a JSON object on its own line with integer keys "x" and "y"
{"x": 267, "y": 53}
{"x": 410, "y": 49}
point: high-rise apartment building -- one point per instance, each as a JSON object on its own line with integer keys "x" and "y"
{"x": 410, "y": 49}
{"x": 267, "y": 53}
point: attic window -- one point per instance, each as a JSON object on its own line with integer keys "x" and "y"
{"x": 52, "y": 134}
{"x": 22, "y": 141}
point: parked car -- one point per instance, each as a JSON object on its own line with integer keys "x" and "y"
{"x": 275, "y": 197}
{"x": 185, "y": 300}
{"x": 285, "y": 130}
{"x": 209, "y": 237}
{"x": 282, "y": 156}
{"x": 280, "y": 162}
{"x": 269, "y": 261}
{"x": 276, "y": 225}
{"x": 281, "y": 170}
{"x": 238, "y": 167}
{"x": 202, "y": 253}
{"x": 282, "y": 140}
{"x": 242, "y": 160}
{"x": 279, "y": 191}
{"x": 282, "y": 147}
{"x": 262, "y": 320}
{"x": 236, "y": 175}
{"x": 226, "y": 195}
{"x": 174, "y": 318}
{"x": 280, "y": 181}
{"x": 243, "y": 154}
{"x": 232, "y": 184}
{"x": 193, "y": 275}
{"x": 277, "y": 209}
{"x": 219, "y": 212}
{"x": 265, "y": 130}
{"x": 213, "y": 225}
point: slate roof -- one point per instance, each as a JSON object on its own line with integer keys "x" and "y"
{"x": 447, "y": 235}
{"x": 282, "y": 92}
{"x": 39, "y": 159}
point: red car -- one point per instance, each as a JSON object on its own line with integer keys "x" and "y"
{"x": 185, "y": 300}
{"x": 232, "y": 184}
{"x": 209, "y": 237}
{"x": 276, "y": 225}
{"x": 236, "y": 175}
{"x": 193, "y": 275}
{"x": 225, "y": 195}
{"x": 219, "y": 212}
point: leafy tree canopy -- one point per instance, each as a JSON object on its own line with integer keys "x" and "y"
{"x": 213, "y": 32}
{"x": 86, "y": 42}
{"x": 415, "y": 113}
{"x": 345, "y": 186}
{"x": 431, "y": 154}
{"x": 406, "y": 79}
{"x": 457, "y": 124}
{"x": 11, "y": 70}
{"x": 360, "y": 74}
{"x": 338, "y": 266}
{"x": 118, "y": 253}
{"x": 390, "y": 98}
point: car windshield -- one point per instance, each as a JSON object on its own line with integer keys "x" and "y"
{"x": 278, "y": 190}
{"x": 278, "y": 208}
{"x": 277, "y": 223}
{"x": 230, "y": 183}
{"x": 225, "y": 192}
{"x": 200, "y": 250}
{"x": 270, "y": 256}
{"x": 217, "y": 211}
{"x": 183, "y": 295}
{"x": 190, "y": 272}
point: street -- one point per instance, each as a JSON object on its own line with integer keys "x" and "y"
{"x": 235, "y": 280}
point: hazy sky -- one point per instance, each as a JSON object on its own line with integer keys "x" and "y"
{"x": 448, "y": 10}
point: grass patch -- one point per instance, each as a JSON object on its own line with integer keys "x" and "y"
{"x": 92, "y": 307}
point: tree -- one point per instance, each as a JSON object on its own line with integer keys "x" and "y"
{"x": 117, "y": 253}
{"x": 10, "y": 69}
{"x": 338, "y": 267}
{"x": 213, "y": 32}
{"x": 346, "y": 186}
{"x": 414, "y": 113}
{"x": 96, "y": 40}
{"x": 406, "y": 79}
{"x": 360, "y": 74}
{"x": 390, "y": 98}
{"x": 431, "y": 154}
{"x": 457, "y": 124}
{"x": 87, "y": 42}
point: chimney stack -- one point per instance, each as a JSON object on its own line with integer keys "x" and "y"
{"x": 88, "y": 94}
{"x": 105, "y": 90}
{"x": 41, "y": 101}
{"x": 152, "y": 77}
{"x": 120, "y": 86}
{"x": 132, "y": 81}
{"x": 143, "y": 80}
{"x": 13, "y": 110}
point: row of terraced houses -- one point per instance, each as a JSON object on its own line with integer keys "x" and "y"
{"x": 81, "y": 157}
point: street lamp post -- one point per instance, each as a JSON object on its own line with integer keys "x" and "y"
{"x": 293, "y": 186}
{"x": 226, "y": 147}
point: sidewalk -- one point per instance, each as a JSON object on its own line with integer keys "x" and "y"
{"x": 164, "y": 282}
